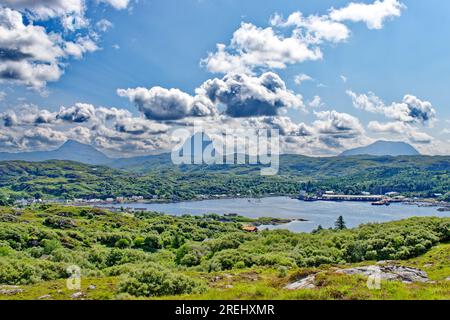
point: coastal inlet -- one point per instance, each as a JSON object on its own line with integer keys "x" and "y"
{"x": 306, "y": 216}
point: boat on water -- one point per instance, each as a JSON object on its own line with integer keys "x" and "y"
{"x": 308, "y": 198}
{"x": 311, "y": 199}
{"x": 381, "y": 203}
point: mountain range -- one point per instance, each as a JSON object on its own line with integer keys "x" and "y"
{"x": 71, "y": 150}
{"x": 79, "y": 152}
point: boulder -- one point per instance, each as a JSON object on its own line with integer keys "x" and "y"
{"x": 389, "y": 272}
{"x": 304, "y": 283}
{"x": 10, "y": 290}
{"x": 77, "y": 295}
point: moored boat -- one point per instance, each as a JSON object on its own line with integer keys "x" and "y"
{"x": 381, "y": 203}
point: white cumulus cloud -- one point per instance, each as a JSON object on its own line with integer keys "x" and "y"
{"x": 410, "y": 110}
{"x": 116, "y": 4}
{"x": 247, "y": 96}
{"x": 253, "y": 47}
{"x": 373, "y": 14}
{"x": 158, "y": 103}
{"x": 31, "y": 56}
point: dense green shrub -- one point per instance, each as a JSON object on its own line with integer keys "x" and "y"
{"x": 59, "y": 223}
{"x": 24, "y": 271}
{"x": 122, "y": 243}
{"x": 152, "y": 242}
{"x": 32, "y": 249}
{"x": 153, "y": 281}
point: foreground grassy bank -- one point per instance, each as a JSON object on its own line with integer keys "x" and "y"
{"x": 266, "y": 283}
{"x": 153, "y": 256}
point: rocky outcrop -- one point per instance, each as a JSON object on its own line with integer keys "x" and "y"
{"x": 78, "y": 295}
{"x": 8, "y": 218}
{"x": 304, "y": 283}
{"x": 10, "y": 290}
{"x": 389, "y": 272}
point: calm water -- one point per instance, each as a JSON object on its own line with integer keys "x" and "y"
{"x": 318, "y": 213}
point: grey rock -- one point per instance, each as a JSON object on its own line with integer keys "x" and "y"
{"x": 389, "y": 272}
{"x": 46, "y": 296}
{"x": 92, "y": 287}
{"x": 304, "y": 283}
{"x": 216, "y": 279}
{"x": 384, "y": 262}
{"x": 77, "y": 295}
{"x": 10, "y": 290}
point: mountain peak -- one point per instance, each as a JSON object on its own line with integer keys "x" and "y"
{"x": 384, "y": 148}
{"x": 77, "y": 151}
{"x": 70, "y": 144}
{"x": 71, "y": 150}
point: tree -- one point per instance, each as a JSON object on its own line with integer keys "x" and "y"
{"x": 319, "y": 228}
{"x": 340, "y": 223}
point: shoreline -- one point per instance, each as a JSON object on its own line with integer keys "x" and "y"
{"x": 167, "y": 201}
{"x": 418, "y": 203}
{"x": 302, "y": 218}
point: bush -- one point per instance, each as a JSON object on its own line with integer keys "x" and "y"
{"x": 5, "y": 249}
{"x": 50, "y": 245}
{"x": 111, "y": 239}
{"x": 18, "y": 272}
{"x": 228, "y": 259}
{"x": 153, "y": 281}
{"x": 316, "y": 261}
{"x": 190, "y": 260}
{"x": 282, "y": 272}
{"x": 114, "y": 257}
{"x": 152, "y": 242}
{"x": 122, "y": 244}
{"x": 139, "y": 242}
{"x": 59, "y": 223}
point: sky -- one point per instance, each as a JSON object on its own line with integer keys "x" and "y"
{"x": 123, "y": 74}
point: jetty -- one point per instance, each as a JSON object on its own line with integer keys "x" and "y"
{"x": 343, "y": 197}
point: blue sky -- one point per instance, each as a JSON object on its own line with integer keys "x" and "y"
{"x": 161, "y": 43}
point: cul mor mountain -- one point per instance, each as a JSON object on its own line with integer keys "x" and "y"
{"x": 384, "y": 148}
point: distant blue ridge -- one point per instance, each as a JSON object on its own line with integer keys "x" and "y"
{"x": 383, "y": 148}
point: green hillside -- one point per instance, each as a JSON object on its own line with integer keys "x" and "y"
{"x": 414, "y": 176}
{"x": 158, "y": 256}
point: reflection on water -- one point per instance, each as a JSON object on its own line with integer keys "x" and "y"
{"x": 317, "y": 213}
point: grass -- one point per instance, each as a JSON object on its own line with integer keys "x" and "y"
{"x": 265, "y": 284}
{"x": 435, "y": 262}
